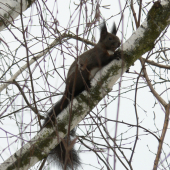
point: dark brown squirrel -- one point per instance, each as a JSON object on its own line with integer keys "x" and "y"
{"x": 82, "y": 70}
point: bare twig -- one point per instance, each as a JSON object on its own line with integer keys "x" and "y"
{"x": 109, "y": 143}
{"x": 156, "y": 64}
{"x": 137, "y": 122}
{"x": 139, "y": 16}
{"x": 23, "y": 94}
{"x": 150, "y": 85}
{"x": 28, "y": 65}
{"x": 128, "y": 124}
{"x": 94, "y": 152}
{"x": 134, "y": 14}
{"x": 165, "y": 126}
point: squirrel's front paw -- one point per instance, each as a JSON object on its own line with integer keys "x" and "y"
{"x": 117, "y": 55}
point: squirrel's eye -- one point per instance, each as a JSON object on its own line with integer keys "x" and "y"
{"x": 110, "y": 38}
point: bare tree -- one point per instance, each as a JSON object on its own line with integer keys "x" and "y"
{"x": 36, "y": 51}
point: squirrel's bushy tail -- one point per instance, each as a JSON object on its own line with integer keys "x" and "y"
{"x": 64, "y": 154}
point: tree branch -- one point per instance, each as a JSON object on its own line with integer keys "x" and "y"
{"x": 156, "y": 64}
{"x": 23, "y": 94}
{"x": 10, "y": 10}
{"x": 165, "y": 126}
{"x": 160, "y": 99}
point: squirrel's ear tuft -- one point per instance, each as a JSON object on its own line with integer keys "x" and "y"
{"x": 103, "y": 30}
{"x": 114, "y": 29}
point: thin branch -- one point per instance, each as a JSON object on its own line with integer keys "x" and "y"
{"x": 94, "y": 152}
{"x": 165, "y": 126}
{"x": 28, "y": 65}
{"x": 96, "y": 143}
{"x": 156, "y": 64}
{"x": 128, "y": 124}
{"x": 115, "y": 145}
{"x": 23, "y": 94}
{"x": 139, "y": 16}
{"x": 160, "y": 99}
{"x": 134, "y": 14}
{"x": 108, "y": 142}
{"x": 137, "y": 121}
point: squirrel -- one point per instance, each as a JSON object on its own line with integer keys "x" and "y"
{"x": 82, "y": 70}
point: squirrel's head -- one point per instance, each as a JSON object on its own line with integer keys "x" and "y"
{"x": 109, "y": 40}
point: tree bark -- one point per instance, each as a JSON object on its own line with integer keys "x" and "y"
{"x": 10, "y": 10}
